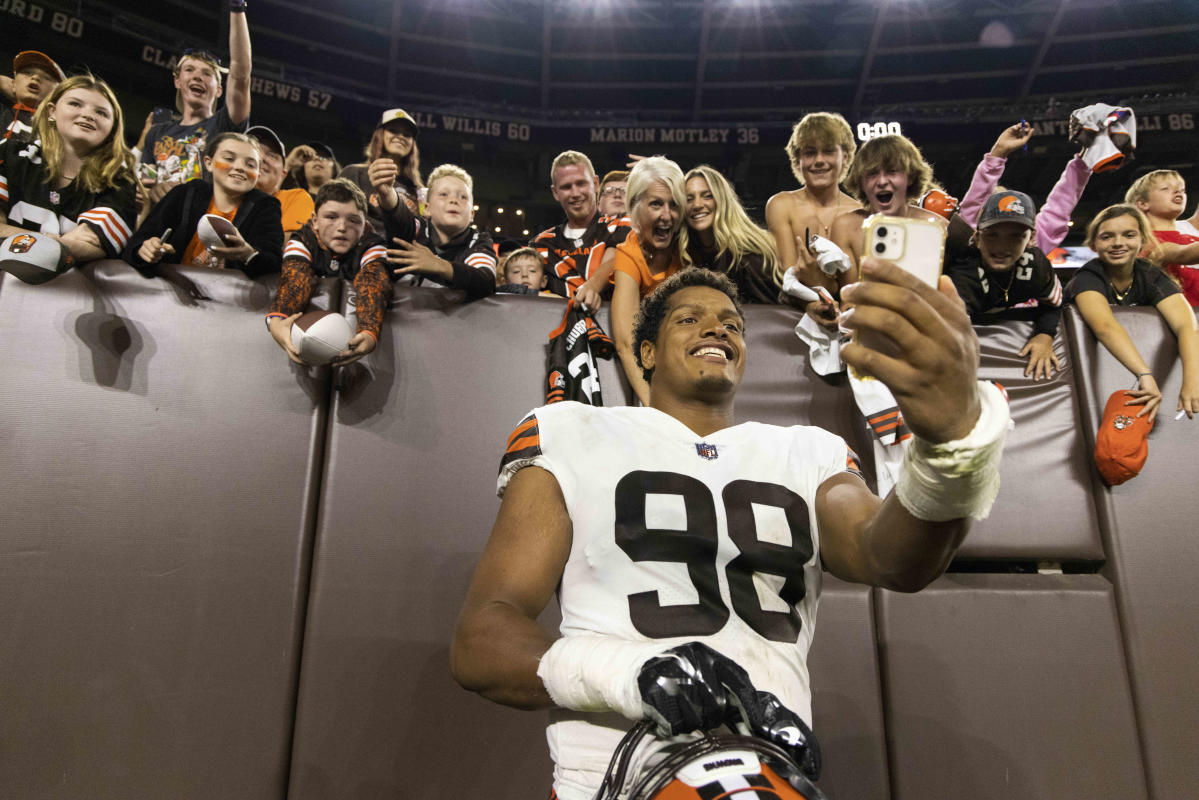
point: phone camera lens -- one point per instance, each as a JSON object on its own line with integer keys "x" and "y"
{"x": 880, "y": 248}
{"x": 882, "y": 232}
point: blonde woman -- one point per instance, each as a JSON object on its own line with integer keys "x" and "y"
{"x": 75, "y": 180}
{"x": 722, "y": 237}
{"x": 651, "y": 253}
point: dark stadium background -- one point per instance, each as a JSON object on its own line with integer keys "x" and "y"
{"x": 500, "y": 86}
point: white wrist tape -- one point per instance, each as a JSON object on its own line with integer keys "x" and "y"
{"x": 957, "y": 479}
{"x": 596, "y": 673}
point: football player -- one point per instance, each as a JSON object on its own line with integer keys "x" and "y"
{"x": 687, "y": 551}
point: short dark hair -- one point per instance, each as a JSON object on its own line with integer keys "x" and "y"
{"x": 340, "y": 190}
{"x": 653, "y": 307}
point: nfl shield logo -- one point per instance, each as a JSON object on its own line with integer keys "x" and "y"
{"x": 706, "y": 450}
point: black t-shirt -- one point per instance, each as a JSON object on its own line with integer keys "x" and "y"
{"x": 1028, "y": 290}
{"x": 1149, "y": 284}
{"x": 754, "y": 283}
{"x": 178, "y": 150}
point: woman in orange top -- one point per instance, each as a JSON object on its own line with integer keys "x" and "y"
{"x": 652, "y": 252}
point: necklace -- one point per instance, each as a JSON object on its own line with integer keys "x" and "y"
{"x": 1011, "y": 281}
{"x": 825, "y": 226}
{"x": 1120, "y": 295}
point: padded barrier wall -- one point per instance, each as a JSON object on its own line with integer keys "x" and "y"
{"x": 161, "y": 469}
{"x": 153, "y": 617}
{"x": 1149, "y": 527}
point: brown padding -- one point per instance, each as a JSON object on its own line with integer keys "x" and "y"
{"x": 159, "y": 453}
{"x": 1149, "y": 525}
{"x": 1004, "y": 686}
{"x": 1045, "y": 510}
{"x": 846, "y": 695}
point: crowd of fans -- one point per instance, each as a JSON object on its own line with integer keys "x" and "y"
{"x": 66, "y": 172}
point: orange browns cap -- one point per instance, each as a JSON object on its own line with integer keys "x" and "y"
{"x": 1122, "y": 444}
{"x": 36, "y": 58}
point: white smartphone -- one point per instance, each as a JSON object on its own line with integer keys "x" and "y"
{"x": 915, "y": 245}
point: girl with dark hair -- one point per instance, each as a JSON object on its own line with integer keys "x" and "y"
{"x": 392, "y": 165}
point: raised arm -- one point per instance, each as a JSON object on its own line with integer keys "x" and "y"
{"x": 990, "y": 170}
{"x": 1053, "y": 220}
{"x": 950, "y": 472}
{"x": 237, "y": 101}
{"x": 497, "y": 643}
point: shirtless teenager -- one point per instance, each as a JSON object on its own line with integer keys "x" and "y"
{"x": 820, "y": 150}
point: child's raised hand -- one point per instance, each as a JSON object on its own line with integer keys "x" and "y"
{"x": 1012, "y": 139}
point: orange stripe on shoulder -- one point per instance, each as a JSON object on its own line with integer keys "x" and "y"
{"x": 521, "y": 429}
{"x": 533, "y": 440}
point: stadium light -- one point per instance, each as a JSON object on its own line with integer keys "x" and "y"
{"x": 500, "y": 210}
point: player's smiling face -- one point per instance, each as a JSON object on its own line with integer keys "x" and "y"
{"x": 700, "y": 344}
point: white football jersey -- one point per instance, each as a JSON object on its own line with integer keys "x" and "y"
{"x": 678, "y": 538}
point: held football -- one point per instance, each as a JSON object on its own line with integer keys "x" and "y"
{"x": 213, "y": 230}
{"x": 319, "y": 336}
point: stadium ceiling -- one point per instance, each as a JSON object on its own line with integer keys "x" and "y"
{"x": 708, "y": 60}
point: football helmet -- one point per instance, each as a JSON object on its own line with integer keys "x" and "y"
{"x": 711, "y": 767}
{"x": 938, "y": 202}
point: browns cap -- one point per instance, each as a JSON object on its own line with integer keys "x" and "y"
{"x": 1008, "y": 206}
{"x": 36, "y": 58}
{"x": 1122, "y": 443}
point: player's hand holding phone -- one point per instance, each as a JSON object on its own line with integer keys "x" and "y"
{"x": 913, "y": 334}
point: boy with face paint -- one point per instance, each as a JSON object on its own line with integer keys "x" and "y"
{"x": 1002, "y": 271}
{"x": 233, "y": 159}
{"x": 338, "y": 242}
